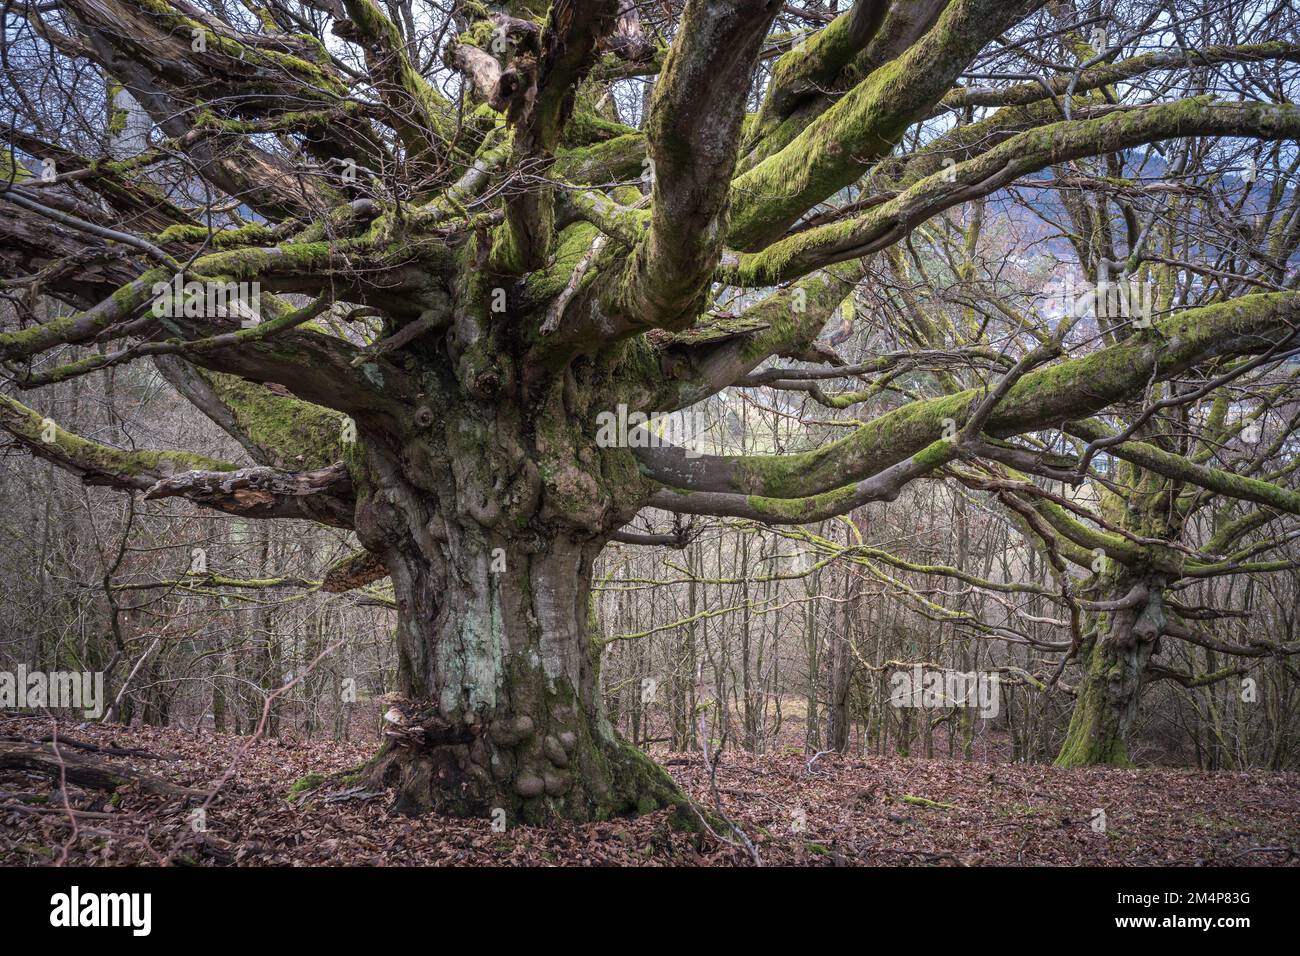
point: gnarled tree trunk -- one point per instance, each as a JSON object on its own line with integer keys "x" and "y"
{"x": 1114, "y": 664}
{"x": 505, "y": 708}
{"x": 491, "y": 558}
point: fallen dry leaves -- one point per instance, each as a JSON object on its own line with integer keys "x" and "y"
{"x": 846, "y": 811}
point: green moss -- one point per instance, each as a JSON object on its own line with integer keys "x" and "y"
{"x": 386, "y": 55}
{"x": 571, "y": 245}
{"x": 294, "y": 434}
{"x": 93, "y": 459}
{"x": 1088, "y": 537}
{"x": 801, "y": 510}
{"x": 614, "y": 160}
{"x": 317, "y": 82}
{"x": 305, "y": 784}
{"x": 926, "y": 802}
{"x": 116, "y": 115}
{"x": 1068, "y": 390}
{"x": 827, "y": 155}
{"x": 836, "y": 147}
{"x": 253, "y": 233}
{"x": 121, "y": 304}
{"x": 478, "y": 34}
{"x": 1093, "y": 737}
{"x": 813, "y": 65}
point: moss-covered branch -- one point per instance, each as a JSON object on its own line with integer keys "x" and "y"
{"x": 1240, "y": 487}
{"x": 841, "y": 144}
{"x": 1066, "y": 391}
{"x": 93, "y": 462}
{"x": 693, "y": 130}
{"x": 419, "y": 113}
{"x": 984, "y": 174}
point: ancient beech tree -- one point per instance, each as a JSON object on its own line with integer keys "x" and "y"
{"x": 463, "y": 257}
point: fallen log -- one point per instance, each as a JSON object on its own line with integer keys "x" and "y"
{"x": 93, "y": 748}
{"x": 85, "y": 772}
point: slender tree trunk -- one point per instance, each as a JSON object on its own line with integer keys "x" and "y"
{"x": 837, "y": 703}
{"x": 218, "y": 697}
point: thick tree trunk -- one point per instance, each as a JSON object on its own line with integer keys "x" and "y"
{"x": 504, "y": 709}
{"x": 1114, "y": 664}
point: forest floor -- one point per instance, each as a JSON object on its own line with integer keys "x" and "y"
{"x": 841, "y": 811}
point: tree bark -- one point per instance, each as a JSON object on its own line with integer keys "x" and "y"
{"x": 837, "y": 685}
{"x": 503, "y": 708}
{"x": 84, "y": 771}
{"x": 1113, "y": 666}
